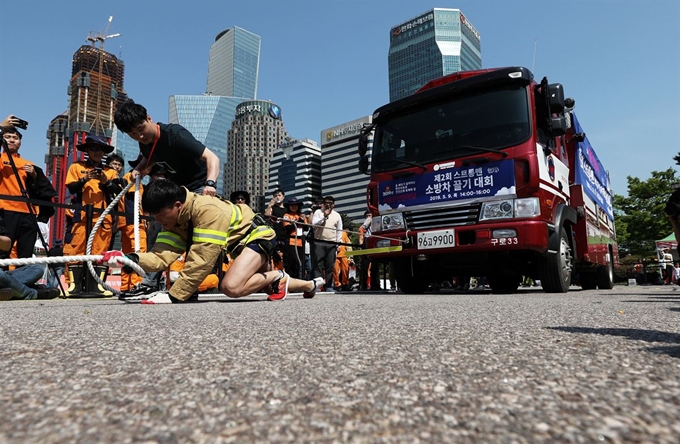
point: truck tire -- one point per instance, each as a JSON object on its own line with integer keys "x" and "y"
{"x": 556, "y": 269}
{"x": 605, "y": 276}
{"x": 416, "y": 283}
{"x": 588, "y": 281}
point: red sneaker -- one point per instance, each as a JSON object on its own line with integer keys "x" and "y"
{"x": 318, "y": 282}
{"x": 280, "y": 287}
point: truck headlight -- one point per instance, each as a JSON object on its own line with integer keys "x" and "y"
{"x": 501, "y": 209}
{"x": 388, "y": 222}
{"x": 527, "y": 207}
{"x": 509, "y": 208}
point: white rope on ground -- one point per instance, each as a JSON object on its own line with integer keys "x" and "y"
{"x": 65, "y": 259}
{"x": 90, "y": 240}
{"x": 138, "y": 180}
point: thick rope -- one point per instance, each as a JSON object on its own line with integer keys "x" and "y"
{"x": 65, "y": 259}
{"x": 138, "y": 181}
{"x": 90, "y": 240}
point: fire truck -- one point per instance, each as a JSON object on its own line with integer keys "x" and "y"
{"x": 487, "y": 173}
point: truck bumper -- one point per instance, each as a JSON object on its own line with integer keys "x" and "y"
{"x": 476, "y": 246}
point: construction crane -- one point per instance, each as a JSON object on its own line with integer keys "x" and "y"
{"x": 100, "y": 37}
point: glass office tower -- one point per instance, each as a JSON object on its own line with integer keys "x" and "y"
{"x": 439, "y": 42}
{"x": 208, "y": 119}
{"x": 234, "y": 64}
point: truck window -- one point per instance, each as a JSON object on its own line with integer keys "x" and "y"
{"x": 450, "y": 128}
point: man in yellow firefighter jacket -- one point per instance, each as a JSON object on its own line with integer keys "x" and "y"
{"x": 206, "y": 227}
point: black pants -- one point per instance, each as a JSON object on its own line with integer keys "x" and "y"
{"x": 22, "y": 228}
{"x": 324, "y": 261}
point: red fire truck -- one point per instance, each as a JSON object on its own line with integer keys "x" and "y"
{"x": 487, "y": 173}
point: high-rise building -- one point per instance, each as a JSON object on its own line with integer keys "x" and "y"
{"x": 340, "y": 168}
{"x": 433, "y": 44}
{"x": 208, "y": 118}
{"x": 234, "y": 64}
{"x": 296, "y": 169}
{"x": 95, "y": 90}
{"x": 233, "y": 71}
{"x": 125, "y": 146}
{"x": 256, "y": 133}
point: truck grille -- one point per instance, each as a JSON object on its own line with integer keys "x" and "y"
{"x": 442, "y": 217}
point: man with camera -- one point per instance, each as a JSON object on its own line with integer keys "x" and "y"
{"x": 21, "y": 226}
{"x": 93, "y": 183}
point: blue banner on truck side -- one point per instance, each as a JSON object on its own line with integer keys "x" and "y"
{"x": 591, "y": 174}
{"x": 447, "y": 184}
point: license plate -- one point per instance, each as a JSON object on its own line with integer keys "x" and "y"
{"x": 436, "y": 239}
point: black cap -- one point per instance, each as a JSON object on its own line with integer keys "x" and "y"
{"x": 94, "y": 140}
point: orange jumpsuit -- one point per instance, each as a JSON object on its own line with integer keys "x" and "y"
{"x": 20, "y": 224}
{"x": 126, "y": 226}
{"x": 341, "y": 269}
{"x": 211, "y": 281}
{"x": 91, "y": 193}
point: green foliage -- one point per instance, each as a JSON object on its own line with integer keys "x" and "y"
{"x": 640, "y": 217}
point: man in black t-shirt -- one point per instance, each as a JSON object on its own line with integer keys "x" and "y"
{"x": 186, "y": 161}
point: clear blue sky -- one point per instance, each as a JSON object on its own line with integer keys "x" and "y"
{"x": 325, "y": 61}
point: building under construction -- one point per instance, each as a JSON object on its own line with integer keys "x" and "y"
{"x": 95, "y": 91}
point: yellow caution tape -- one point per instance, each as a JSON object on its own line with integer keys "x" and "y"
{"x": 373, "y": 251}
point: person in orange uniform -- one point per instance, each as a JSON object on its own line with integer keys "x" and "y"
{"x": 21, "y": 227}
{"x": 126, "y": 226}
{"x": 92, "y": 183}
{"x": 294, "y": 253}
{"x": 341, "y": 270}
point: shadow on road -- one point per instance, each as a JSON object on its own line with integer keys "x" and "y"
{"x": 634, "y": 334}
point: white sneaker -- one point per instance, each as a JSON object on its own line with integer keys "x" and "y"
{"x": 318, "y": 282}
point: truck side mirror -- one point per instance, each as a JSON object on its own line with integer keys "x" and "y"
{"x": 556, "y": 97}
{"x": 363, "y": 165}
{"x": 363, "y": 145}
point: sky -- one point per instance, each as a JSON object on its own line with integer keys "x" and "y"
{"x": 324, "y": 62}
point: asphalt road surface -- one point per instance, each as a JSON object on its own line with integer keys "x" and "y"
{"x": 587, "y": 366}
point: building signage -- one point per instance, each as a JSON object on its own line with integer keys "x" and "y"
{"x": 258, "y": 108}
{"x": 469, "y": 26}
{"x": 412, "y": 24}
{"x": 457, "y": 184}
{"x": 343, "y": 132}
{"x": 591, "y": 174}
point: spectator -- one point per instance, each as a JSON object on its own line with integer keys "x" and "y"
{"x": 57, "y": 250}
{"x": 327, "y": 237}
{"x": 240, "y": 197}
{"x": 276, "y": 210}
{"x": 294, "y": 253}
{"x": 667, "y": 259}
{"x": 21, "y": 225}
{"x": 365, "y": 265}
{"x": 676, "y": 273}
{"x": 126, "y": 226}
{"x": 92, "y": 183}
{"x": 186, "y": 161}
{"x": 341, "y": 269}
{"x": 16, "y": 284}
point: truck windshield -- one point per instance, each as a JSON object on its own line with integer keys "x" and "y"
{"x": 474, "y": 123}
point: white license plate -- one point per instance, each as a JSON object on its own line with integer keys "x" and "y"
{"x": 436, "y": 239}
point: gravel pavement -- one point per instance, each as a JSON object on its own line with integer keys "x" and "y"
{"x": 584, "y": 367}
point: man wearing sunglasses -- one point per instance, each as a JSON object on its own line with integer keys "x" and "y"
{"x": 327, "y": 237}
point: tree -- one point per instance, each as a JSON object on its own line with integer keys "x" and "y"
{"x": 640, "y": 217}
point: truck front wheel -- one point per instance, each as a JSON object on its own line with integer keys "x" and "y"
{"x": 556, "y": 269}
